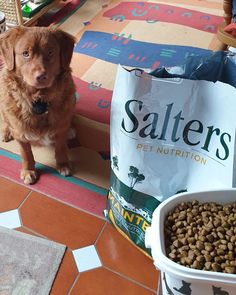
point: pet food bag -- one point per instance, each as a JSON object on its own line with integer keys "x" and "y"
{"x": 168, "y": 135}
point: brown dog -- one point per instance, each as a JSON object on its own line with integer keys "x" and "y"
{"x": 37, "y": 93}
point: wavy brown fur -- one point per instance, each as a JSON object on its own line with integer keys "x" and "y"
{"x": 36, "y": 68}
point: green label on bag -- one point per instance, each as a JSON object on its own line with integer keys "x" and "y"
{"x": 131, "y": 220}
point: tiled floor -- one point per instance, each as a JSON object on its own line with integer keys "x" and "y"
{"x": 98, "y": 259}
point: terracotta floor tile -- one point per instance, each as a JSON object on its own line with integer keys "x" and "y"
{"x": 102, "y": 281}
{"x": 27, "y": 231}
{"x": 120, "y": 255}
{"x": 59, "y": 222}
{"x": 11, "y": 194}
{"x": 66, "y": 275}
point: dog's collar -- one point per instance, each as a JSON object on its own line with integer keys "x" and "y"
{"x": 39, "y": 107}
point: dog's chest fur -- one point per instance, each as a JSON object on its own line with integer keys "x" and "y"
{"x": 39, "y": 139}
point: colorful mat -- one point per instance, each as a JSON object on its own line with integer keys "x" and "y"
{"x": 143, "y": 34}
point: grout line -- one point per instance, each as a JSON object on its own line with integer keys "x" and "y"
{"x": 70, "y": 205}
{"x": 37, "y": 234}
{"x": 131, "y": 280}
{"x": 73, "y": 284}
{"x": 53, "y": 198}
{"x": 25, "y": 199}
{"x": 98, "y": 238}
{"x": 21, "y": 204}
{"x": 101, "y": 232}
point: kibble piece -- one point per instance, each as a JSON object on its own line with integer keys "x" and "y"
{"x": 230, "y": 232}
{"x": 220, "y": 252}
{"x": 192, "y": 241}
{"x": 216, "y": 266}
{"x": 233, "y": 239}
{"x": 202, "y": 238}
{"x": 208, "y": 257}
{"x": 219, "y": 259}
{"x": 233, "y": 263}
{"x": 207, "y": 265}
{"x": 223, "y": 247}
{"x": 182, "y": 215}
{"x": 172, "y": 256}
{"x": 220, "y": 235}
{"x": 191, "y": 254}
{"x": 210, "y": 238}
{"x": 217, "y": 222}
{"x": 197, "y": 265}
{"x": 188, "y": 260}
{"x": 179, "y": 224}
{"x": 177, "y": 243}
{"x": 224, "y": 242}
{"x": 183, "y": 260}
{"x": 201, "y": 258}
{"x": 230, "y": 269}
{"x": 200, "y": 245}
{"x": 208, "y": 247}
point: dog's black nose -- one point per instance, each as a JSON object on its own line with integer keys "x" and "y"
{"x": 41, "y": 77}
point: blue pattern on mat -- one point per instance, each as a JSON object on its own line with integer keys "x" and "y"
{"x": 121, "y": 49}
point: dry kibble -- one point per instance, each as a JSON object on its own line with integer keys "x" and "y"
{"x": 182, "y": 215}
{"x": 216, "y": 266}
{"x": 201, "y": 258}
{"x": 191, "y": 241}
{"x": 208, "y": 247}
{"x": 208, "y": 265}
{"x": 232, "y": 239}
{"x": 202, "y": 236}
{"x": 200, "y": 245}
{"x": 220, "y": 235}
{"x": 177, "y": 243}
{"x": 191, "y": 254}
{"x": 233, "y": 263}
{"x": 172, "y": 256}
{"x": 223, "y": 247}
{"x": 230, "y": 269}
{"x": 208, "y": 257}
{"x": 188, "y": 261}
{"x": 210, "y": 238}
{"x": 183, "y": 260}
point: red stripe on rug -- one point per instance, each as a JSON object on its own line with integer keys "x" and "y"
{"x": 94, "y": 102}
{"x": 155, "y": 12}
{"x": 57, "y": 188}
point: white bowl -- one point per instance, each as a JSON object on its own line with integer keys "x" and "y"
{"x": 178, "y": 279}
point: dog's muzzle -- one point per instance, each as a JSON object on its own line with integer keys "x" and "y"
{"x": 39, "y": 107}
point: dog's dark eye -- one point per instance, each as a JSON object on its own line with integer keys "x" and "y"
{"x": 50, "y": 52}
{"x": 26, "y": 54}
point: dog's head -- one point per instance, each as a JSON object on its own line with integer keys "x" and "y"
{"x": 37, "y": 54}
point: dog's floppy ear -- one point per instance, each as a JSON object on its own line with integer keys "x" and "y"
{"x": 67, "y": 43}
{"x": 7, "y": 42}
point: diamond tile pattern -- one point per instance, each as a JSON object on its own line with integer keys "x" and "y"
{"x": 60, "y": 222}
{"x": 98, "y": 259}
{"x": 10, "y": 219}
{"x": 12, "y": 195}
{"x": 86, "y": 258}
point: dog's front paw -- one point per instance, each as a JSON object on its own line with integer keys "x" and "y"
{"x": 29, "y": 176}
{"x": 64, "y": 169}
{"x": 6, "y": 136}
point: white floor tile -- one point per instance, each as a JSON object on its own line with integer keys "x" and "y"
{"x": 10, "y": 219}
{"x": 86, "y": 258}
